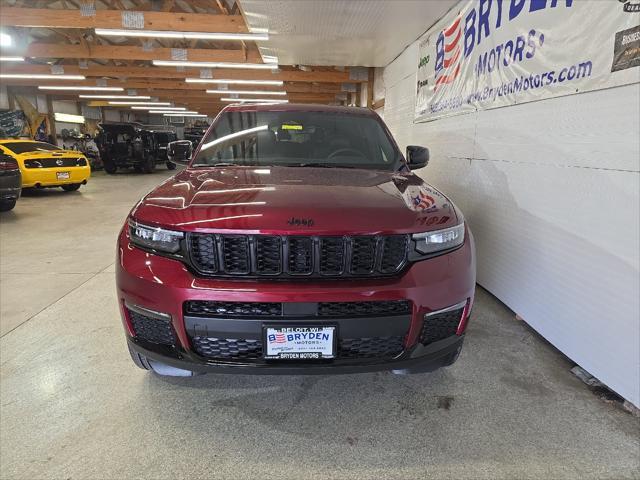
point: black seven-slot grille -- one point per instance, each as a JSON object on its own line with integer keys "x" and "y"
{"x": 297, "y": 256}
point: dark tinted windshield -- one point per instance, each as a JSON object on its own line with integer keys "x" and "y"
{"x": 24, "y": 147}
{"x": 296, "y": 139}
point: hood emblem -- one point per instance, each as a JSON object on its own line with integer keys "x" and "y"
{"x": 59, "y": 162}
{"x": 300, "y": 222}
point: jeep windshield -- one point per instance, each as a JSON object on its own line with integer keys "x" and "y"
{"x": 29, "y": 147}
{"x": 298, "y": 139}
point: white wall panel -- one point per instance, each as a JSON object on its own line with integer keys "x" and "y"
{"x": 111, "y": 115}
{"x": 551, "y": 190}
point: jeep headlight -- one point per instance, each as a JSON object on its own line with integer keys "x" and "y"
{"x": 155, "y": 238}
{"x": 438, "y": 240}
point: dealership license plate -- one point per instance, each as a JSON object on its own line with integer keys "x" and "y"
{"x": 299, "y": 343}
{"x": 63, "y": 175}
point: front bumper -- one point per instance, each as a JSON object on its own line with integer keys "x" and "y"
{"x": 421, "y": 359}
{"x": 165, "y": 285}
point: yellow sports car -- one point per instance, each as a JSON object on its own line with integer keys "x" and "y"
{"x": 44, "y": 165}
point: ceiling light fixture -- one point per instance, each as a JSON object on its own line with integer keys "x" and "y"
{"x": 139, "y": 103}
{"x": 117, "y": 32}
{"x": 186, "y": 112}
{"x": 253, "y": 100}
{"x": 245, "y": 92}
{"x": 117, "y": 97}
{"x": 92, "y": 89}
{"x": 44, "y": 76}
{"x": 181, "y": 63}
{"x": 11, "y": 59}
{"x": 5, "y": 40}
{"x": 185, "y": 115}
{"x": 158, "y": 108}
{"x": 277, "y": 83}
{"x": 68, "y": 118}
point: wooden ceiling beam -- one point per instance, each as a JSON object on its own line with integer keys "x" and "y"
{"x": 61, "y": 18}
{"x": 114, "y": 52}
{"x": 169, "y": 88}
{"x": 333, "y": 76}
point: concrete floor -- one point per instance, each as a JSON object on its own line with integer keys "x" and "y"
{"x": 73, "y": 406}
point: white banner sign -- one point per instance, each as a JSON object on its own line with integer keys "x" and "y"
{"x": 494, "y": 53}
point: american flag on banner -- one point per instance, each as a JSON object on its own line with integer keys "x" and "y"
{"x": 280, "y": 338}
{"x": 450, "y": 68}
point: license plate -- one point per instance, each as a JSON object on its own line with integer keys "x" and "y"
{"x": 300, "y": 343}
{"x": 63, "y": 175}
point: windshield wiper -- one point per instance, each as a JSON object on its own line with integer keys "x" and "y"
{"x": 318, "y": 165}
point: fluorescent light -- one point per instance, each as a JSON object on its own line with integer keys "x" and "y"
{"x": 158, "y": 108}
{"x": 139, "y": 103}
{"x": 68, "y": 118}
{"x": 277, "y": 83}
{"x": 173, "y": 112}
{"x": 116, "y": 32}
{"x": 44, "y": 76}
{"x": 11, "y": 59}
{"x": 117, "y": 97}
{"x": 253, "y": 100}
{"x": 180, "y": 63}
{"x": 184, "y": 115}
{"x": 92, "y": 89}
{"x": 5, "y": 40}
{"x": 246, "y": 92}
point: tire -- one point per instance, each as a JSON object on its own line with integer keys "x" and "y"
{"x": 148, "y": 165}
{"x": 6, "y": 205}
{"x": 140, "y": 360}
{"x": 110, "y": 167}
{"x": 171, "y": 166}
{"x": 137, "y": 168}
{"x": 72, "y": 187}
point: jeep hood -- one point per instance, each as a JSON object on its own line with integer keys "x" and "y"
{"x": 296, "y": 200}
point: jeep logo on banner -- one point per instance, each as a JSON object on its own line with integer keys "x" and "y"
{"x": 495, "y": 53}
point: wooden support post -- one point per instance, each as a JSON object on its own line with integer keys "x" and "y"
{"x": 52, "y": 120}
{"x": 11, "y": 99}
{"x": 370, "y": 87}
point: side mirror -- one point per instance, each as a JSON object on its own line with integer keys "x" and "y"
{"x": 417, "y": 157}
{"x": 179, "y": 151}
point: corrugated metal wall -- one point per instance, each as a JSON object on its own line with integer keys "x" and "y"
{"x": 551, "y": 191}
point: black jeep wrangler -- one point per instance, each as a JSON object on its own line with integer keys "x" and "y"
{"x": 195, "y": 134}
{"x": 124, "y": 145}
{"x": 158, "y": 137}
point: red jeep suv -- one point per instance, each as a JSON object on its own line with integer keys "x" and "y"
{"x": 296, "y": 241}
